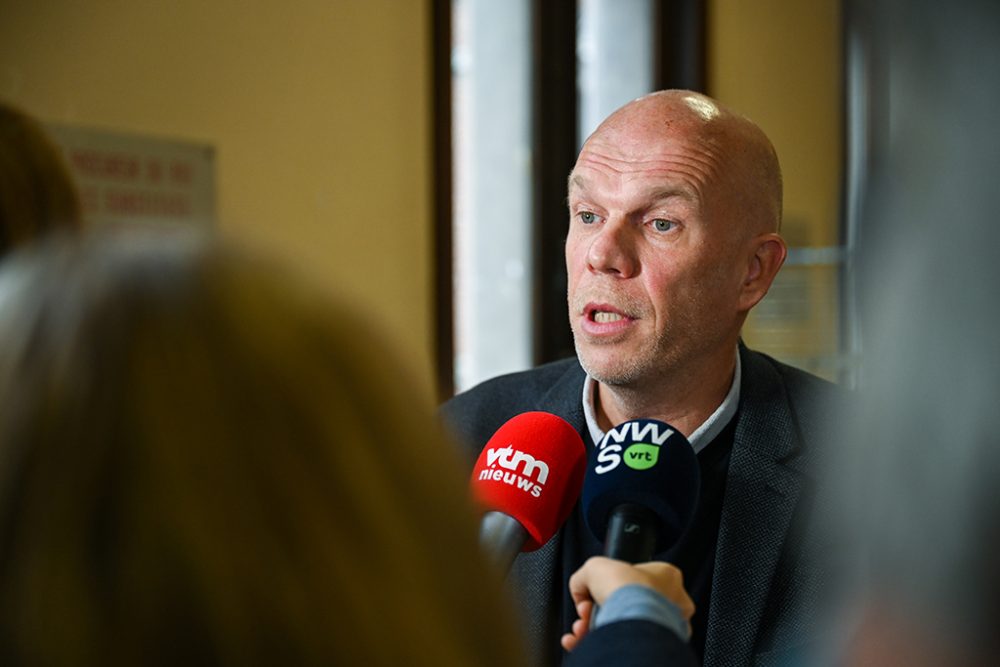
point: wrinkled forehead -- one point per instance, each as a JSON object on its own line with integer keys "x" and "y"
{"x": 674, "y": 154}
{"x": 644, "y": 144}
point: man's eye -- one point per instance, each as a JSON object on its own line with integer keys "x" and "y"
{"x": 662, "y": 225}
{"x": 586, "y": 217}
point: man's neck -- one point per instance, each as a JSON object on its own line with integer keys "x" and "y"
{"x": 684, "y": 401}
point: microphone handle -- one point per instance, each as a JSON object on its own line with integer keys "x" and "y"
{"x": 631, "y": 535}
{"x": 501, "y": 537}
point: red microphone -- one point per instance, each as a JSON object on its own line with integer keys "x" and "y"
{"x": 528, "y": 477}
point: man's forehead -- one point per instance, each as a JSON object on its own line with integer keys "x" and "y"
{"x": 632, "y": 145}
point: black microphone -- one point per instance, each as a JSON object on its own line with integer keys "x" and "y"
{"x": 641, "y": 489}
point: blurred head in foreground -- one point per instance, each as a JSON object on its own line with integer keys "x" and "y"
{"x": 201, "y": 463}
{"x": 925, "y": 478}
{"x": 37, "y": 193}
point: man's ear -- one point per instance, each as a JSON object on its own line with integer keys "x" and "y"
{"x": 768, "y": 254}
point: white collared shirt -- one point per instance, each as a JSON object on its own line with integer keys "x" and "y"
{"x": 701, "y": 436}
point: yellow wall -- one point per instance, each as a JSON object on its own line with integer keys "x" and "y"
{"x": 319, "y": 111}
{"x": 780, "y": 63}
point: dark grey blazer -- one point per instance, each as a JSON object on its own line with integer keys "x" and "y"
{"x": 762, "y": 583}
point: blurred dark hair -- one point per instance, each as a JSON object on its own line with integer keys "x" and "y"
{"x": 37, "y": 193}
{"x": 201, "y": 463}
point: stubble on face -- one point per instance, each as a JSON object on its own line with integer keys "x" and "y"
{"x": 633, "y": 360}
{"x": 619, "y": 369}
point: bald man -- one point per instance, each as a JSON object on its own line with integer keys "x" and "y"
{"x": 674, "y": 207}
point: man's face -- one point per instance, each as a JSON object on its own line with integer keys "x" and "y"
{"x": 654, "y": 257}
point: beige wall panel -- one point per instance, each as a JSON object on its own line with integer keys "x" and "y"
{"x": 319, "y": 112}
{"x": 779, "y": 62}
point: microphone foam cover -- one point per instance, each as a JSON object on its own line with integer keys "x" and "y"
{"x": 648, "y": 463}
{"x": 531, "y": 469}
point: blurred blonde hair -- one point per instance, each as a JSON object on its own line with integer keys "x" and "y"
{"x": 37, "y": 192}
{"x": 203, "y": 463}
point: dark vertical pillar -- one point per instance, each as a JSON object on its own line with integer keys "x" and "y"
{"x": 444, "y": 336}
{"x": 555, "y": 138}
{"x": 679, "y": 39}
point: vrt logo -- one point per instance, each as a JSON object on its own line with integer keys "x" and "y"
{"x": 643, "y": 454}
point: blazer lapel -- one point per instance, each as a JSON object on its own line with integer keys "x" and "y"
{"x": 535, "y": 576}
{"x": 760, "y": 499}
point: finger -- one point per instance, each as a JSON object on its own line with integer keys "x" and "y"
{"x": 570, "y": 640}
{"x": 584, "y": 609}
{"x": 579, "y": 582}
{"x": 600, "y": 576}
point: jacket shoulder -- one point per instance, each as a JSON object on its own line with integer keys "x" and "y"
{"x": 815, "y": 405}
{"x": 800, "y": 384}
{"x": 474, "y": 415}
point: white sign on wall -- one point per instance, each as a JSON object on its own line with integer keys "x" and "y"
{"x": 133, "y": 178}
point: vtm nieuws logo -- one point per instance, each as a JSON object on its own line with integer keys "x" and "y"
{"x": 515, "y": 468}
{"x": 642, "y": 454}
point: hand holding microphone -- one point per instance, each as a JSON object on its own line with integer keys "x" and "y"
{"x": 639, "y": 496}
{"x": 600, "y": 577}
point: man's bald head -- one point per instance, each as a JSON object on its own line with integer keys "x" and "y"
{"x": 745, "y": 165}
{"x": 674, "y": 207}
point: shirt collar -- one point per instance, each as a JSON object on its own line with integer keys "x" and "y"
{"x": 701, "y": 436}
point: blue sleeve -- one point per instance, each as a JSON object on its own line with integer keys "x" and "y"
{"x": 640, "y": 603}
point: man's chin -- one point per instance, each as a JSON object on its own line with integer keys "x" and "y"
{"x": 623, "y": 371}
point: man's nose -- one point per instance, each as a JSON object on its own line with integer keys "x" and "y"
{"x": 612, "y": 250}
